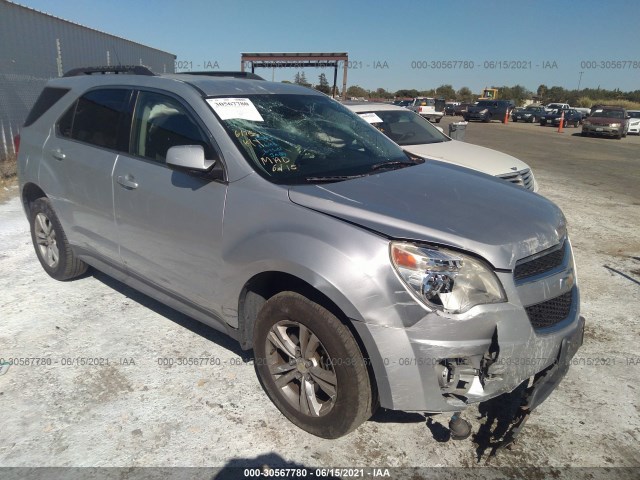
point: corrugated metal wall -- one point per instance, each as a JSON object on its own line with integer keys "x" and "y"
{"x": 35, "y": 47}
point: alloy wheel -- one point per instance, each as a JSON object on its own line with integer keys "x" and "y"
{"x": 301, "y": 368}
{"x": 46, "y": 240}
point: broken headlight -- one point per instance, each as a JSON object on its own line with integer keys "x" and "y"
{"x": 444, "y": 279}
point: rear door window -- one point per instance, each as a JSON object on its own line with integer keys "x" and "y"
{"x": 99, "y": 117}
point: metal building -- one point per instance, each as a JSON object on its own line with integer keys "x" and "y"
{"x": 35, "y": 46}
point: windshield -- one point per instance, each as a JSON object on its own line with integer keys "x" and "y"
{"x": 608, "y": 114}
{"x": 404, "y": 127}
{"x": 425, "y": 102}
{"x": 634, "y": 114}
{"x": 485, "y": 103}
{"x": 291, "y": 139}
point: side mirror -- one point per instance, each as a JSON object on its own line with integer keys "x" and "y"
{"x": 189, "y": 157}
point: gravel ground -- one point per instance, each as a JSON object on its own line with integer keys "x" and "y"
{"x": 138, "y": 411}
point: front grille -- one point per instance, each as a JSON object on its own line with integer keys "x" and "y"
{"x": 542, "y": 263}
{"x": 550, "y": 312}
{"x": 524, "y": 178}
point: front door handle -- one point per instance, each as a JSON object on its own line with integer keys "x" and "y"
{"x": 127, "y": 182}
{"x": 58, "y": 154}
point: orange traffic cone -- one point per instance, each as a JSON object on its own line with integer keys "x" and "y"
{"x": 506, "y": 116}
{"x": 561, "y": 122}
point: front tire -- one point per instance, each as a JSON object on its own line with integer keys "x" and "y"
{"x": 310, "y": 366}
{"x": 50, "y": 243}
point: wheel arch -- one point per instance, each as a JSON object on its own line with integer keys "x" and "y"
{"x": 30, "y": 193}
{"x": 265, "y": 285}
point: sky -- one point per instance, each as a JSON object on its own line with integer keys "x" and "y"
{"x": 391, "y": 45}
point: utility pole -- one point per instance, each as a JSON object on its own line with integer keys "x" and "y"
{"x": 580, "y": 81}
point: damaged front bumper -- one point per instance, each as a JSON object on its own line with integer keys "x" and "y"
{"x": 546, "y": 381}
{"x": 444, "y": 363}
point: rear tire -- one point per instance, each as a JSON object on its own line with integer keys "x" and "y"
{"x": 50, "y": 243}
{"x": 310, "y": 366}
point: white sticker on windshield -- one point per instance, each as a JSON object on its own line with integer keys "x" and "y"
{"x": 235, "y": 108}
{"x": 370, "y": 117}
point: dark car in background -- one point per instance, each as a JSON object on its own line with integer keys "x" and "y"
{"x": 531, "y": 114}
{"x": 571, "y": 117}
{"x": 487, "y": 110}
{"x": 462, "y": 108}
{"x": 449, "y": 108}
{"x": 607, "y": 121}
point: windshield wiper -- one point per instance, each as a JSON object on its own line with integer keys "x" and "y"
{"x": 392, "y": 164}
{"x": 332, "y": 178}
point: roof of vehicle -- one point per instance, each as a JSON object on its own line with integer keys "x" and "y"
{"x": 206, "y": 84}
{"x": 371, "y": 106}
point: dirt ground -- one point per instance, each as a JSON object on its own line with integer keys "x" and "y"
{"x": 138, "y": 411}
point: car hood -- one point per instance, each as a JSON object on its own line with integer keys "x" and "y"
{"x": 467, "y": 155}
{"x": 476, "y": 108}
{"x": 443, "y": 204}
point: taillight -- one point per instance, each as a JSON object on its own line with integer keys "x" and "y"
{"x": 16, "y": 143}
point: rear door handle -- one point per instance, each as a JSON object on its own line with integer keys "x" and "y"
{"x": 127, "y": 182}
{"x": 58, "y": 154}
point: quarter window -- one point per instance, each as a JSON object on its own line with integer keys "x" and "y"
{"x": 161, "y": 122}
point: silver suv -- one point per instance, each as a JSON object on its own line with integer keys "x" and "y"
{"x": 358, "y": 274}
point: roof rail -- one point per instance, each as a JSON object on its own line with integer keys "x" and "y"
{"x": 117, "y": 69}
{"x": 217, "y": 73}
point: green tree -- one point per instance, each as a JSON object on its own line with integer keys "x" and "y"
{"x": 357, "y": 91}
{"x": 465, "y": 95}
{"x": 405, "y": 93}
{"x": 323, "y": 86}
{"x": 542, "y": 91}
{"x": 556, "y": 94}
{"x": 446, "y": 91}
{"x": 382, "y": 93}
{"x": 517, "y": 93}
{"x": 301, "y": 79}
